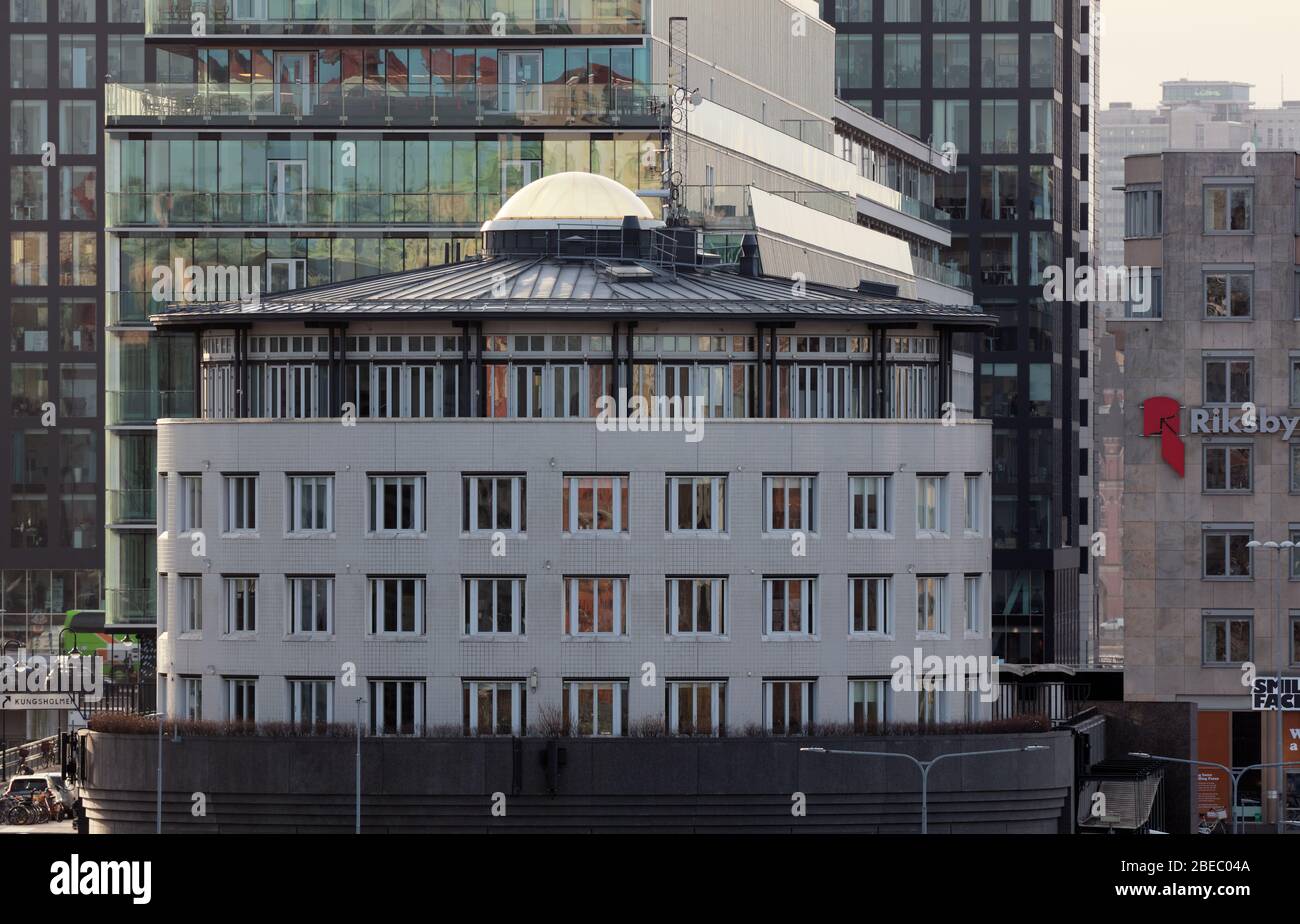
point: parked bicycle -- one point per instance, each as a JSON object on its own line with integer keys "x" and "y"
{"x": 14, "y": 811}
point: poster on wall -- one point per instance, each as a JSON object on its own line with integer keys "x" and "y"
{"x": 1213, "y": 788}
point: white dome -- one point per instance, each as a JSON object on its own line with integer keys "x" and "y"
{"x": 573, "y": 196}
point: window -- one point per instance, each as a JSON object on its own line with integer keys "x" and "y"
{"x": 1229, "y": 295}
{"x": 952, "y": 10}
{"x": 1042, "y": 60}
{"x": 311, "y": 504}
{"x": 1224, "y": 553}
{"x": 396, "y": 504}
{"x": 191, "y": 603}
{"x": 789, "y": 503}
{"x": 396, "y": 606}
{"x": 1229, "y": 209}
{"x": 27, "y": 61}
{"x": 1146, "y": 294}
{"x": 1045, "y": 11}
{"x": 241, "y": 503}
{"x": 28, "y": 194}
{"x": 1295, "y": 468}
{"x": 27, "y": 11}
{"x": 869, "y": 503}
{"x": 595, "y": 708}
{"x": 1000, "y": 60}
{"x": 241, "y": 699}
{"x": 904, "y": 115}
{"x": 974, "y": 504}
{"x": 789, "y": 607}
{"x": 312, "y": 703}
{"x": 1295, "y": 638}
{"x": 77, "y": 127}
{"x": 696, "y": 504}
{"x": 1042, "y": 121}
{"x": 311, "y": 604}
{"x": 241, "y": 605}
{"x": 77, "y": 69}
{"x": 595, "y": 606}
{"x": 952, "y": 125}
{"x": 931, "y": 612}
{"x": 902, "y": 10}
{"x": 931, "y": 504}
{"x": 852, "y": 62}
{"x": 869, "y": 612}
{"x": 931, "y": 708}
{"x": 1000, "y": 126}
{"x": 1144, "y": 212}
{"x": 396, "y": 707}
{"x": 1227, "y": 637}
{"x": 76, "y": 10}
{"x": 853, "y": 10}
{"x": 29, "y": 258}
{"x": 494, "y": 606}
{"x": 191, "y": 503}
{"x": 695, "y": 606}
{"x": 28, "y": 119}
{"x": 787, "y": 706}
{"x": 1228, "y": 380}
{"x": 78, "y": 329}
{"x": 192, "y": 697}
{"x": 493, "y": 707}
{"x": 492, "y": 503}
{"x": 868, "y": 705}
{"x": 595, "y": 505}
{"x": 697, "y": 707}
{"x": 1001, "y": 10}
{"x": 951, "y": 63}
{"x": 1227, "y": 467}
{"x": 29, "y": 325}
{"x": 902, "y": 60}
{"x": 974, "y": 605}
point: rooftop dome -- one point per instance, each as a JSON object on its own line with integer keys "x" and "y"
{"x": 573, "y": 196}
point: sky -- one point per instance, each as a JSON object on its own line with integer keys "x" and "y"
{"x": 1146, "y": 41}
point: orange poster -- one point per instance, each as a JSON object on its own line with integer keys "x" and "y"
{"x": 1213, "y": 787}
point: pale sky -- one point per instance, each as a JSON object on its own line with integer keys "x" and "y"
{"x": 1146, "y": 41}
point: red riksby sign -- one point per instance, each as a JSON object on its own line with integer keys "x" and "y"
{"x": 1160, "y": 417}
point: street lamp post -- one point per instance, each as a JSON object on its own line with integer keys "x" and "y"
{"x": 1286, "y": 545}
{"x": 925, "y": 766}
{"x": 1235, "y": 775}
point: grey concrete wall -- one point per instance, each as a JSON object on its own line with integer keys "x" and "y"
{"x": 545, "y": 450}
{"x": 423, "y": 785}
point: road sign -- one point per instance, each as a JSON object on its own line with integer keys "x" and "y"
{"x": 17, "y": 701}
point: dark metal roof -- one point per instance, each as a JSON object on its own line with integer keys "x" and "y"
{"x": 505, "y": 287}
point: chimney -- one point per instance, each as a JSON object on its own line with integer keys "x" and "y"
{"x": 750, "y": 264}
{"x": 631, "y": 237}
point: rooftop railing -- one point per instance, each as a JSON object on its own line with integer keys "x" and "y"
{"x": 376, "y": 103}
{"x": 398, "y": 17}
{"x": 726, "y": 208}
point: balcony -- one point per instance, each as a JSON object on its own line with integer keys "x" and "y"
{"x": 355, "y": 103}
{"x": 398, "y": 17}
{"x": 728, "y": 208}
{"x": 131, "y": 604}
{"x": 130, "y": 507}
{"x": 296, "y": 210}
{"x": 139, "y": 406}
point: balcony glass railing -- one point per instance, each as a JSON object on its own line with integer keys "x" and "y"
{"x": 730, "y": 208}
{"x": 358, "y": 103}
{"x": 938, "y": 272}
{"x": 131, "y": 507}
{"x": 398, "y": 17}
{"x": 138, "y": 406}
{"x": 131, "y": 604}
{"x": 306, "y": 209}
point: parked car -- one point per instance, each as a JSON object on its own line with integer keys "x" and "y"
{"x": 24, "y": 787}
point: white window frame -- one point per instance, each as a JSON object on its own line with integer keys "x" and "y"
{"x": 867, "y": 486}
{"x": 307, "y": 488}
{"x": 241, "y": 504}
{"x": 304, "y": 708}
{"x": 301, "y": 596}
{"x": 571, "y": 501}
{"x": 716, "y": 588}
{"x": 931, "y": 590}
{"x": 241, "y": 621}
{"x": 376, "y": 614}
{"x": 808, "y": 690}
{"x": 379, "y": 484}
{"x": 859, "y": 687}
{"x": 191, "y": 697}
{"x": 382, "y": 688}
{"x": 806, "y": 485}
{"x": 807, "y": 607}
{"x": 572, "y": 596}
{"x": 191, "y": 503}
{"x": 974, "y": 497}
{"x": 516, "y": 489}
{"x": 717, "y": 690}
{"x": 717, "y": 504}
{"x": 574, "y": 689}
{"x": 191, "y": 603}
{"x": 241, "y": 698}
{"x": 874, "y": 586}
{"x": 470, "y": 596}
{"x": 973, "y": 596}
{"x": 931, "y": 505}
{"x": 470, "y": 689}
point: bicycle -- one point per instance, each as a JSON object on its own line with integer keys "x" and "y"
{"x": 14, "y": 812}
